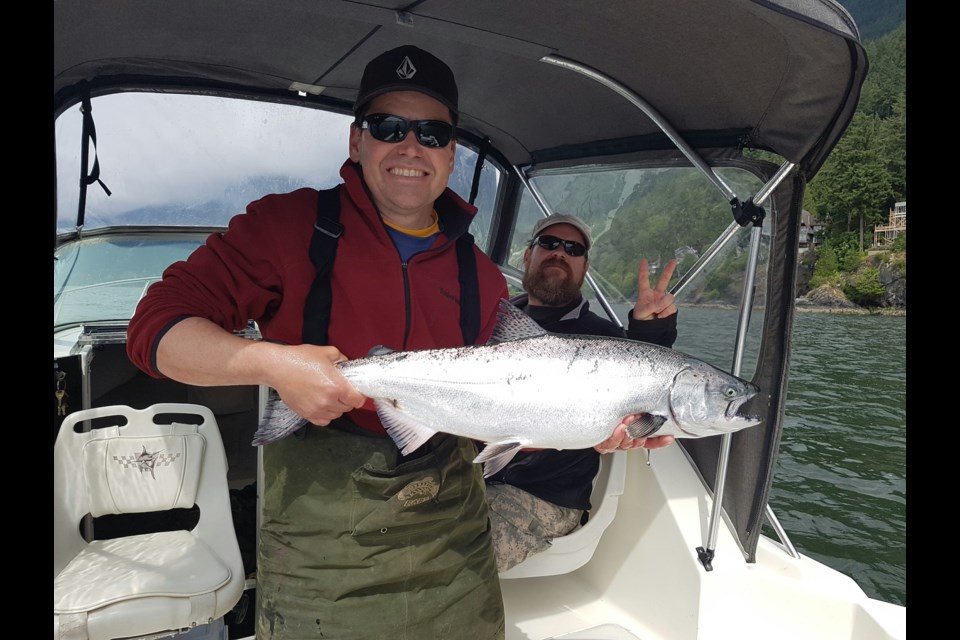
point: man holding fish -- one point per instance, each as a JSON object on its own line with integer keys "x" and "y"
{"x": 543, "y": 494}
{"x": 357, "y": 540}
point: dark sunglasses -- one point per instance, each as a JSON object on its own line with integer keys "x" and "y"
{"x": 388, "y": 128}
{"x": 572, "y": 247}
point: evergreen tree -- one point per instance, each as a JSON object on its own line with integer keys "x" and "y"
{"x": 827, "y": 269}
{"x": 893, "y": 147}
{"x": 854, "y": 185}
{"x": 865, "y": 174}
{"x": 887, "y": 77}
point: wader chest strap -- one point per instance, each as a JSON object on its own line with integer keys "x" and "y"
{"x": 469, "y": 289}
{"x": 323, "y": 249}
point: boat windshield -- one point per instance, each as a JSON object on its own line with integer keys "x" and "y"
{"x": 103, "y": 278}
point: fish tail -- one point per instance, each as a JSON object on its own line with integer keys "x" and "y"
{"x": 278, "y": 421}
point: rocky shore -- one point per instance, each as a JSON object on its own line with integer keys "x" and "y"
{"x": 830, "y": 299}
{"x": 891, "y": 270}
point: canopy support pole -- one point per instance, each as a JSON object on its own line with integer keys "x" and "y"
{"x": 746, "y": 307}
{"x": 755, "y": 214}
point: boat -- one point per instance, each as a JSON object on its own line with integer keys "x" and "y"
{"x": 685, "y": 129}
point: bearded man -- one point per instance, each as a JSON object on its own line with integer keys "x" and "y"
{"x": 544, "y": 494}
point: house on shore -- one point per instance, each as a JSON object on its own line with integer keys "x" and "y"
{"x": 809, "y": 230}
{"x": 884, "y": 235}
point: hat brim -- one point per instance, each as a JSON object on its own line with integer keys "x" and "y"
{"x": 587, "y": 240}
{"x": 401, "y": 86}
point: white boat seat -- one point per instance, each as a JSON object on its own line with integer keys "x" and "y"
{"x": 575, "y": 549}
{"x": 148, "y": 583}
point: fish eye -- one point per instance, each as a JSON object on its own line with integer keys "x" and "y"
{"x": 730, "y": 392}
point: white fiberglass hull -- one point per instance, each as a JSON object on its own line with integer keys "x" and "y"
{"x": 644, "y": 580}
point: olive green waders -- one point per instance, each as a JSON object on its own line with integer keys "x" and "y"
{"x": 353, "y": 545}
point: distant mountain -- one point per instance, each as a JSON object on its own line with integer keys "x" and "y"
{"x": 216, "y": 211}
{"x": 876, "y": 18}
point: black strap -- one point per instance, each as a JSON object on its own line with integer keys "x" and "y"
{"x": 323, "y": 249}
{"x": 466, "y": 260}
{"x": 87, "y": 176}
{"x": 469, "y": 289}
{"x": 478, "y": 169}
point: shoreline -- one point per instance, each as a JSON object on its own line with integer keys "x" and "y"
{"x": 853, "y": 311}
{"x": 891, "y": 312}
{"x": 815, "y": 308}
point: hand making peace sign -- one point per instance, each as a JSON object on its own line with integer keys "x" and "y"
{"x": 656, "y": 302}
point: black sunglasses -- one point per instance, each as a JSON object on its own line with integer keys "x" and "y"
{"x": 387, "y": 128}
{"x": 572, "y": 247}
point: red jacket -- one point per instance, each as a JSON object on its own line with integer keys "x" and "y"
{"x": 260, "y": 269}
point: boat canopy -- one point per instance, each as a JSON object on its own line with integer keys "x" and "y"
{"x": 779, "y": 75}
{"x": 544, "y": 85}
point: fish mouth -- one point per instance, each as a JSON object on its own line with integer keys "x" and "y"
{"x": 733, "y": 407}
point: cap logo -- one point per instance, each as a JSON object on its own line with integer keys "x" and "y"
{"x": 406, "y": 70}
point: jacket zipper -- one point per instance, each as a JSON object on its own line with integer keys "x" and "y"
{"x": 404, "y": 267}
{"x": 406, "y": 302}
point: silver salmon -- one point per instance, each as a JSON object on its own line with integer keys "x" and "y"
{"x": 528, "y": 388}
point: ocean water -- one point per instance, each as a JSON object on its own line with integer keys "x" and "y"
{"x": 840, "y": 484}
{"x": 840, "y": 489}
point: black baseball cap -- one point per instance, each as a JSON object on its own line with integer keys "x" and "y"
{"x": 408, "y": 68}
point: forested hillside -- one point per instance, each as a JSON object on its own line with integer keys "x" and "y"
{"x": 867, "y": 171}
{"x": 862, "y": 179}
{"x": 876, "y": 18}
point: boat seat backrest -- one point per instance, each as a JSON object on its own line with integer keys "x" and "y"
{"x": 138, "y": 474}
{"x": 163, "y": 458}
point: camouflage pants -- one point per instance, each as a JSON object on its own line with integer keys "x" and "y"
{"x": 522, "y": 524}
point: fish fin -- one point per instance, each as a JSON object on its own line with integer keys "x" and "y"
{"x": 278, "y": 421}
{"x": 647, "y": 424}
{"x": 496, "y": 455}
{"x": 379, "y": 350}
{"x": 408, "y": 434}
{"x": 514, "y": 324}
